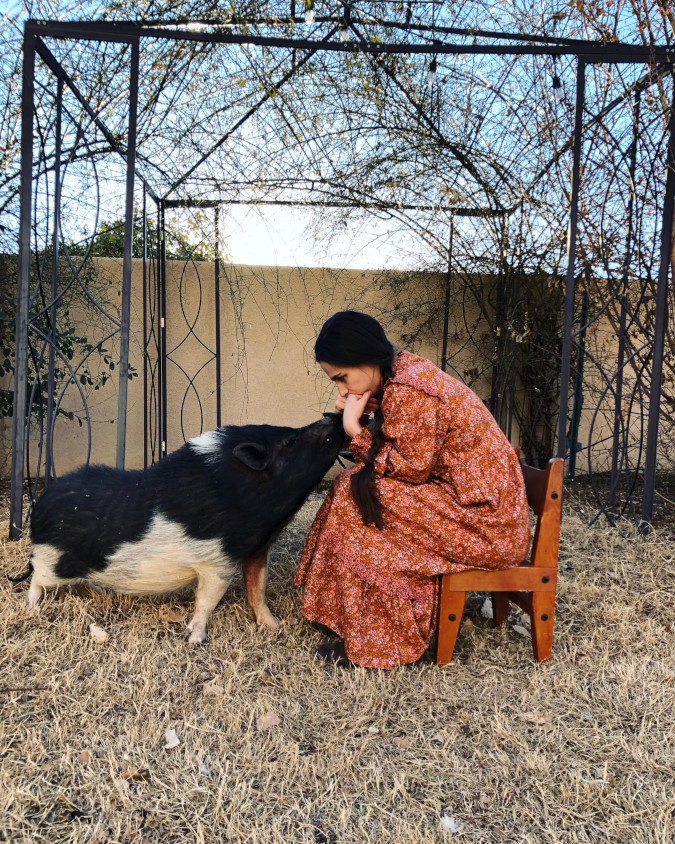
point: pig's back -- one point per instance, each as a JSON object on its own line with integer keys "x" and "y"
{"x": 89, "y": 513}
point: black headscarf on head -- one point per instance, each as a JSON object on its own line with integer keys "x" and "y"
{"x": 352, "y": 338}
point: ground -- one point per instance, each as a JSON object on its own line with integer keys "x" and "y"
{"x": 584, "y": 494}
{"x": 274, "y": 746}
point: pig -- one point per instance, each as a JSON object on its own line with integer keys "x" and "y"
{"x": 209, "y": 508}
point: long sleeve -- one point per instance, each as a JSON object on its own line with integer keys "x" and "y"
{"x": 360, "y": 444}
{"x": 414, "y": 430}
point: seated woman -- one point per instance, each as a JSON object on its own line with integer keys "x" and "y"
{"x": 436, "y": 488}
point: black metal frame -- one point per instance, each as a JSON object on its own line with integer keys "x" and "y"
{"x": 154, "y": 247}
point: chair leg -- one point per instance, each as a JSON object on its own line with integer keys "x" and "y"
{"x": 543, "y": 608}
{"x": 500, "y": 608}
{"x": 449, "y": 620}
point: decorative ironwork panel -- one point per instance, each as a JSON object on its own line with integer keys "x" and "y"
{"x": 617, "y": 321}
{"x": 192, "y": 354}
{"x": 153, "y": 334}
{"x": 74, "y": 299}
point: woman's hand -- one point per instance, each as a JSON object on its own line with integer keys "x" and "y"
{"x": 371, "y": 405}
{"x": 354, "y": 408}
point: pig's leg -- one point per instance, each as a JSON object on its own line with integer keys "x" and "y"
{"x": 255, "y": 578}
{"x": 43, "y": 559}
{"x": 35, "y": 592}
{"x": 211, "y": 586}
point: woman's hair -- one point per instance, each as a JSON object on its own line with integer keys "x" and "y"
{"x": 351, "y": 338}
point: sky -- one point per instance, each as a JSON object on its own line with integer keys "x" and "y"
{"x": 280, "y": 236}
{"x": 277, "y": 236}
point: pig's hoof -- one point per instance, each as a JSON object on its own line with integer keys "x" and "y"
{"x": 33, "y": 597}
{"x": 197, "y": 637}
{"x": 197, "y": 632}
{"x": 268, "y": 620}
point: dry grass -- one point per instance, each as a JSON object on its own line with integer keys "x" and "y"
{"x": 577, "y": 750}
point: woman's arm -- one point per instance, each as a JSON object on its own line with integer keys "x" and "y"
{"x": 414, "y": 430}
{"x": 354, "y": 409}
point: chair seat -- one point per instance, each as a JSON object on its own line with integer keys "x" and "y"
{"x": 531, "y": 585}
{"x": 524, "y": 578}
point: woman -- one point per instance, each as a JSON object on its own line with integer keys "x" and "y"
{"x": 436, "y": 488}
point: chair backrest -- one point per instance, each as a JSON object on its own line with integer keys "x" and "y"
{"x": 544, "y": 495}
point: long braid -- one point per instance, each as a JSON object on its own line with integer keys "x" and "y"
{"x": 353, "y": 339}
{"x": 362, "y": 482}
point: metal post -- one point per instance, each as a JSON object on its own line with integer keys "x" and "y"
{"x": 497, "y": 391}
{"x": 127, "y": 261}
{"x": 515, "y": 325}
{"x": 621, "y": 354}
{"x": 565, "y": 366}
{"x": 146, "y": 342}
{"x": 578, "y": 389}
{"x": 49, "y": 450}
{"x": 448, "y": 283}
{"x": 217, "y": 297}
{"x": 157, "y": 322}
{"x": 661, "y": 318}
{"x": 163, "y": 409}
{"x": 21, "y": 413}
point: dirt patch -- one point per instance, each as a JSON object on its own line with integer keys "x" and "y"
{"x": 273, "y": 746}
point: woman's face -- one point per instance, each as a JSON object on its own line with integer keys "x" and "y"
{"x": 354, "y": 380}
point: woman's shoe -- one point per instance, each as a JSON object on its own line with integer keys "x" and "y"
{"x": 325, "y": 630}
{"x": 334, "y": 653}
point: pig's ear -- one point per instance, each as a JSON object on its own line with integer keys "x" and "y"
{"x": 253, "y": 455}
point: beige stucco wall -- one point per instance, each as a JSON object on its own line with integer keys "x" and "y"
{"x": 269, "y": 319}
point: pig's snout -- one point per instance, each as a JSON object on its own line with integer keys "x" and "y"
{"x": 331, "y": 430}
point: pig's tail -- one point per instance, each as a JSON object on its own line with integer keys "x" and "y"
{"x": 362, "y": 482}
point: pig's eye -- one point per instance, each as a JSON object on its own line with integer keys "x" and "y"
{"x": 327, "y": 440}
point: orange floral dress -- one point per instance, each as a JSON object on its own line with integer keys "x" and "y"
{"x": 453, "y": 498}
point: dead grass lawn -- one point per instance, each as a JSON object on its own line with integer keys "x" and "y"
{"x": 277, "y": 747}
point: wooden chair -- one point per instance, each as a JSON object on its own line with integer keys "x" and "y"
{"x": 531, "y": 585}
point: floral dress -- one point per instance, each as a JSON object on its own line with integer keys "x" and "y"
{"x": 453, "y": 498}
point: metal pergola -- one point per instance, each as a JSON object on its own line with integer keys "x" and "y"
{"x": 340, "y": 33}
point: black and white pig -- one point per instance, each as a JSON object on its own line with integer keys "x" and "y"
{"x": 209, "y": 508}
